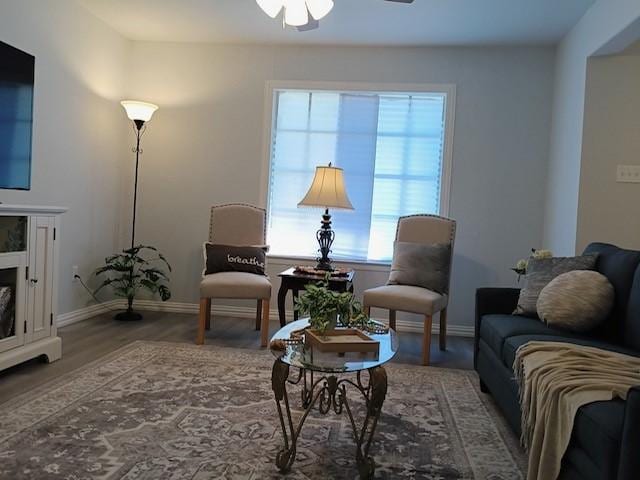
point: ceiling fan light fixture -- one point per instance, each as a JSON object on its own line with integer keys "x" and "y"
{"x": 319, "y": 8}
{"x": 295, "y": 13}
{"x": 271, "y": 7}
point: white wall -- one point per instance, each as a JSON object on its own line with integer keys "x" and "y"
{"x": 610, "y": 211}
{"x": 79, "y": 128}
{"x": 608, "y": 25}
{"x": 205, "y": 144}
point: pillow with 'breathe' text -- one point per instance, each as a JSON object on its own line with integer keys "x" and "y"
{"x": 230, "y": 258}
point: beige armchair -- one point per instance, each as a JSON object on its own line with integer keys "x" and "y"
{"x": 239, "y": 225}
{"x": 425, "y": 229}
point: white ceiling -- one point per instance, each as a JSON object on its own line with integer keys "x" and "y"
{"x": 352, "y": 22}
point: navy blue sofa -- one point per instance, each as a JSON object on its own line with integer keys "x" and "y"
{"x": 605, "y": 443}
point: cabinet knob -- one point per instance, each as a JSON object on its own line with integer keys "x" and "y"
{"x": 34, "y": 281}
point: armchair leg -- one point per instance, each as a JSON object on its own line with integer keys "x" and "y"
{"x": 264, "y": 335}
{"x": 392, "y": 319}
{"x": 258, "y": 315}
{"x": 443, "y": 330}
{"x": 208, "y": 315}
{"x": 202, "y": 320}
{"x": 426, "y": 340}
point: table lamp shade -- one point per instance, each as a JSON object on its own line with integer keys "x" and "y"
{"x": 327, "y": 190}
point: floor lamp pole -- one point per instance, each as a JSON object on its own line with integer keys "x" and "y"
{"x": 139, "y": 124}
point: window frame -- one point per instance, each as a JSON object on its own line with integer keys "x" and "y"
{"x": 273, "y": 86}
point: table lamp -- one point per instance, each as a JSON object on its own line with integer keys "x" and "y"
{"x": 327, "y": 191}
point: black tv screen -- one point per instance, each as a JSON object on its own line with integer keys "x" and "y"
{"x": 16, "y": 117}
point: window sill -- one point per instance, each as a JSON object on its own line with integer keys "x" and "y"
{"x": 357, "y": 265}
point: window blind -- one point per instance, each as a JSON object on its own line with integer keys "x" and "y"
{"x": 390, "y": 146}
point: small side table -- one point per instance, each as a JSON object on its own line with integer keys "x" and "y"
{"x": 290, "y": 280}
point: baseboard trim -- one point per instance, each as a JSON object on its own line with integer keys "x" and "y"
{"x": 231, "y": 311}
{"x": 87, "y": 312}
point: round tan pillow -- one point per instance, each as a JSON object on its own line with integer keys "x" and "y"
{"x": 578, "y": 301}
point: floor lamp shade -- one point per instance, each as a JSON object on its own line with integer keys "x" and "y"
{"x": 136, "y": 110}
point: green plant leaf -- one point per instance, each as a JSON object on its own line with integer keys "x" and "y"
{"x": 130, "y": 271}
{"x": 165, "y": 293}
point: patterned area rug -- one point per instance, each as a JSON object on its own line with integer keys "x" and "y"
{"x": 177, "y": 411}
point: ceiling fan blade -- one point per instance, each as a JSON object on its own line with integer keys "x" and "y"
{"x": 312, "y": 24}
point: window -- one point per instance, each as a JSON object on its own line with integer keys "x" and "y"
{"x": 391, "y": 146}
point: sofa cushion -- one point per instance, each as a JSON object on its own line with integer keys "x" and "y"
{"x": 495, "y": 329}
{"x": 619, "y": 266}
{"x": 578, "y": 465}
{"x": 597, "y": 429}
{"x": 512, "y": 344}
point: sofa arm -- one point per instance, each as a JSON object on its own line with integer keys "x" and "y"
{"x": 629, "y": 464}
{"x": 492, "y": 300}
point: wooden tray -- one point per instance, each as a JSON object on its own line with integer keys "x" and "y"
{"x": 341, "y": 340}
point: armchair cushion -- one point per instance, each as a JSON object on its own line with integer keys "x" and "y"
{"x": 235, "y": 285}
{"x": 405, "y": 298}
{"x": 421, "y": 265}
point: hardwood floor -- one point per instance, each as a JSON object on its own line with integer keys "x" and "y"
{"x": 89, "y": 340}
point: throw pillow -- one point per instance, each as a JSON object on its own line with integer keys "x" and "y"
{"x": 229, "y": 258}
{"x": 540, "y": 271}
{"x": 578, "y": 301}
{"x": 420, "y": 265}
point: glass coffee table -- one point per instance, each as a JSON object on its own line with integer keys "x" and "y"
{"x": 325, "y": 379}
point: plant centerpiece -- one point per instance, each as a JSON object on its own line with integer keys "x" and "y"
{"x": 135, "y": 269}
{"x": 327, "y": 309}
{"x": 522, "y": 264}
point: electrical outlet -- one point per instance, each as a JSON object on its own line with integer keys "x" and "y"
{"x": 628, "y": 174}
{"x": 74, "y": 272}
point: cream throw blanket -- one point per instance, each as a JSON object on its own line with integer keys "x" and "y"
{"x": 555, "y": 379}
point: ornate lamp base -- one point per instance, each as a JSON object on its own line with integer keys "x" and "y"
{"x": 325, "y": 238}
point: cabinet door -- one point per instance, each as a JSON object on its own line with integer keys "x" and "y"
{"x": 40, "y": 279}
{"x": 12, "y": 300}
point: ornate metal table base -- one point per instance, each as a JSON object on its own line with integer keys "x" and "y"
{"x": 329, "y": 393}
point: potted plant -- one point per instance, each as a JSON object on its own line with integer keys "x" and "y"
{"x": 135, "y": 269}
{"x": 327, "y": 308}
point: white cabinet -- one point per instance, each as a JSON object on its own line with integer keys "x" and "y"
{"x": 40, "y": 278}
{"x": 29, "y": 239}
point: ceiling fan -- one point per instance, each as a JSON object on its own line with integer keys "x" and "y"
{"x": 303, "y": 14}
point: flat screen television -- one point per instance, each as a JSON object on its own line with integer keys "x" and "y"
{"x": 16, "y": 117}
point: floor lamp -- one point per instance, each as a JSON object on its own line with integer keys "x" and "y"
{"x": 139, "y": 113}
